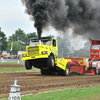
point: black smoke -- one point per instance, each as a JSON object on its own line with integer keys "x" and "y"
{"x": 82, "y": 16}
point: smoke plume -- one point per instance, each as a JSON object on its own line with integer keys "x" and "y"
{"x": 82, "y": 16}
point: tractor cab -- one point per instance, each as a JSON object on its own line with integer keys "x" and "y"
{"x": 95, "y": 50}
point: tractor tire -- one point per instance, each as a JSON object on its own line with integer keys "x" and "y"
{"x": 46, "y": 72}
{"x": 42, "y": 72}
{"x": 60, "y": 72}
{"x": 66, "y": 72}
{"x": 28, "y": 64}
{"x": 51, "y": 62}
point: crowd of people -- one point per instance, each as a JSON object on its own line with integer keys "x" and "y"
{"x": 9, "y": 56}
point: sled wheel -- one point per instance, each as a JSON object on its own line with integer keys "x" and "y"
{"x": 97, "y": 72}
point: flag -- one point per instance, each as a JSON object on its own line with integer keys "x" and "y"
{"x": 11, "y": 46}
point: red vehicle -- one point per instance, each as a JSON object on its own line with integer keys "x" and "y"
{"x": 87, "y": 66}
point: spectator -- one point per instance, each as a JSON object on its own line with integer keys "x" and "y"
{"x": 18, "y": 58}
{"x": 1, "y": 58}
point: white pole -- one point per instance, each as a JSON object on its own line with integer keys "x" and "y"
{"x": 18, "y": 61}
{"x": 39, "y": 41}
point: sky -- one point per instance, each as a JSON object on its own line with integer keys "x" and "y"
{"x": 13, "y": 16}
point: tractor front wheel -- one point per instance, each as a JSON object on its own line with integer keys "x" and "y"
{"x": 28, "y": 64}
{"x": 51, "y": 62}
{"x": 66, "y": 72}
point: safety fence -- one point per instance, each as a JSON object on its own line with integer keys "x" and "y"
{"x": 11, "y": 60}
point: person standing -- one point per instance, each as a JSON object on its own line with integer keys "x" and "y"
{"x": 18, "y": 58}
{"x": 1, "y": 58}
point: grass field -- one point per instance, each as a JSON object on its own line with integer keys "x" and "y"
{"x": 9, "y": 63}
{"x": 16, "y": 69}
{"x": 89, "y": 93}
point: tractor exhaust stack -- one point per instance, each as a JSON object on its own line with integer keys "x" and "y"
{"x": 39, "y": 41}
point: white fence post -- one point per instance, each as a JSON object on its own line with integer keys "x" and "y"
{"x": 14, "y": 91}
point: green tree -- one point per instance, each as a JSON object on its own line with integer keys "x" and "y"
{"x": 18, "y": 36}
{"x": 3, "y": 41}
{"x": 31, "y": 35}
{"x": 20, "y": 40}
{"x": 80, "y": 53}
{"x": 15, "y": 48}
{"x": 86, "y": 48}
{"x": 85, "y": 51}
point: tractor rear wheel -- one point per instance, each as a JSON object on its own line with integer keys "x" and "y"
{"x": 46, "y": 72}
{"x": 42, "y": 72}
{"x": 28, "y": 64}
{"x": 59, "y": 72}
{"x": 66, "y": 72}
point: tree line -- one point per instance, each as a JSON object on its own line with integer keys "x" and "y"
{"x": 66, "y": 50}
{"x": 20, "y": 40}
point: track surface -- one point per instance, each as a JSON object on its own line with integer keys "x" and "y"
{"x": 34, "y": 82}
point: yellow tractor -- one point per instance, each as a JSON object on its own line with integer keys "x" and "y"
{"x": 43, "y": 55}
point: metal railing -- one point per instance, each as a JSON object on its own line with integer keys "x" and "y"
{"x": 11, "y": 60}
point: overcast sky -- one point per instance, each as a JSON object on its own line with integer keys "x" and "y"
{"x": 13, "y": 16}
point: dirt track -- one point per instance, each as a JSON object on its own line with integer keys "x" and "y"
{"x": 34, "y": 82}
{"x": 11, "y": 65}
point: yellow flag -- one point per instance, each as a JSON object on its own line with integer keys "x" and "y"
{"x": 11, "y": 46}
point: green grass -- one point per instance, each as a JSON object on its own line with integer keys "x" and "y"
{"x": 89, "y": 93}
{"x": 15, "y": 69}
